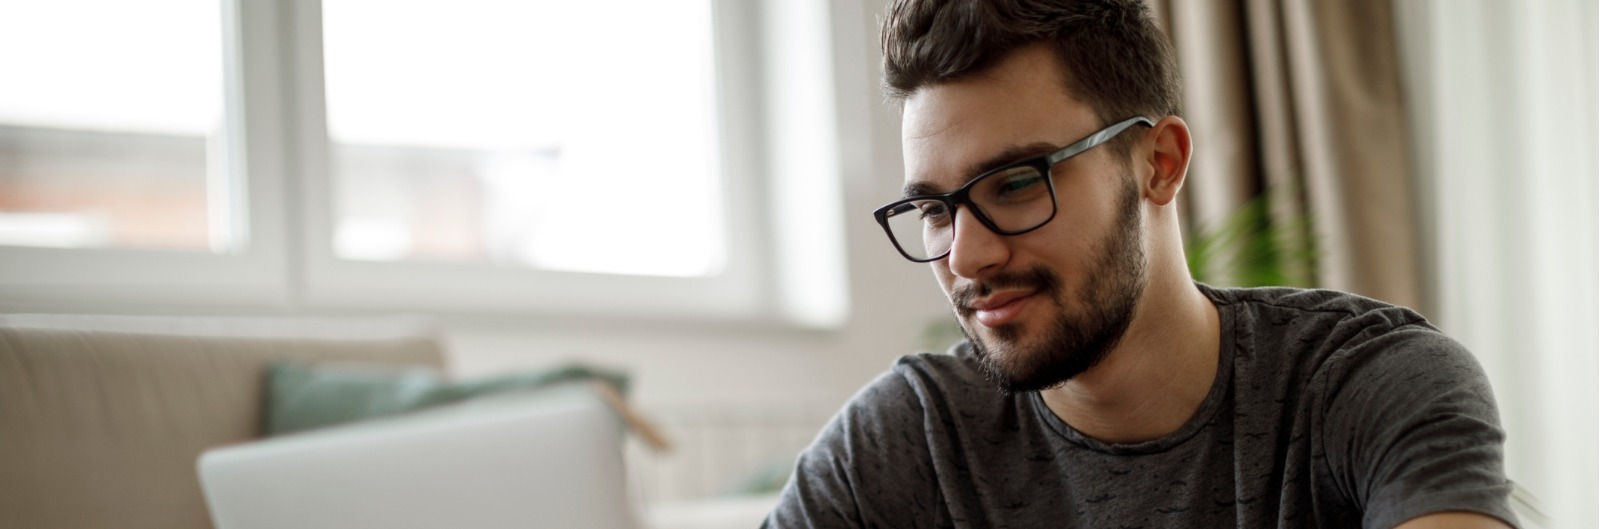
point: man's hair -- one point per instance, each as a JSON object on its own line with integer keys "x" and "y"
{"x": 1112, "y": 55}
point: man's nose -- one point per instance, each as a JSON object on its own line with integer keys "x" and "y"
{"x": 973, "y": 247}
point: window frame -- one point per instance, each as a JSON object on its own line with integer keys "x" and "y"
{"x": 278, "y": 134}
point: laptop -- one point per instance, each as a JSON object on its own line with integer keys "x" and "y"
{"x": 546, "y": 460}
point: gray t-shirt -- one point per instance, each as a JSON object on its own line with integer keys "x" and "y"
{"x": 1328, "y": 410}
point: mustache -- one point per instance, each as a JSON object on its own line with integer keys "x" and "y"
{"x": 1037, "y": 278}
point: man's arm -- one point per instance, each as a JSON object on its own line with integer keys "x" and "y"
{"x": 1453, "y": 520}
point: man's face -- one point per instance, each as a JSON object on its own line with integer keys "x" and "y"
{"x": 1044, "y": 306}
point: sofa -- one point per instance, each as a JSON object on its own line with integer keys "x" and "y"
{"x": 102, "y": 418}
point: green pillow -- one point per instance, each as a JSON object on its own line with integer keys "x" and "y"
{"x": 302, "y": 395}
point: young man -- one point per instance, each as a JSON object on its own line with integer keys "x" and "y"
{"x": 1100, "y": 386}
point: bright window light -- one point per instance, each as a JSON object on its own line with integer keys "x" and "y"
{"x": 558, "y": 135}
{"x": 108, "y": 118}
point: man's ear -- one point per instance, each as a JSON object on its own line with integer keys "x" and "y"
{"x": 1168, "y": 159}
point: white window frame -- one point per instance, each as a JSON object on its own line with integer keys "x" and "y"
{"x": 277, "y": 107}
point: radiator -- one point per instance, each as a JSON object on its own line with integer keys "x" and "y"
{"x": 722, "y": 450}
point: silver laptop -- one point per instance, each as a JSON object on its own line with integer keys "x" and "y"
{"x": 523, "y": 461}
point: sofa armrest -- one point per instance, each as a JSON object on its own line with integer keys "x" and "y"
{"x": 101, "y": 417}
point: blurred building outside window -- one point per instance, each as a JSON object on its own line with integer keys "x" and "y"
{"x": 109, "y": 129}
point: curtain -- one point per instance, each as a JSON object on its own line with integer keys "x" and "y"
{"x": 1300, "y": 102}
{"x": 1504, "y": 113}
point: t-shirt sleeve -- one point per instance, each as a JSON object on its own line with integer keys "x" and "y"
{"x": 863, "y": 469}
{"x": 1412, "y": 429}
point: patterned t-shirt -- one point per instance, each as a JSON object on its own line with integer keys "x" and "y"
{"x": 1328, "y": 410}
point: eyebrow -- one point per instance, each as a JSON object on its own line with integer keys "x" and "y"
{"x": 1015, "y": 153}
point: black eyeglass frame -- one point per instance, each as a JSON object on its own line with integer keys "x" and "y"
{"x": 1044, "y": 163}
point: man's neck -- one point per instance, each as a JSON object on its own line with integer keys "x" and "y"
{"x": 1158, "y": 375}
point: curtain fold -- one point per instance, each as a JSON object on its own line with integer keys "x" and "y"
{"x": 1301, "y": 101}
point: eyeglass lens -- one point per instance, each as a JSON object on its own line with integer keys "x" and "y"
{"x": 1013, "y": 200}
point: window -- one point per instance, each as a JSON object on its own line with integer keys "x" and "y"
{"x": 113, "y": 141}
{"x": 489, "y": 140}
{"x": 476, "y": 155}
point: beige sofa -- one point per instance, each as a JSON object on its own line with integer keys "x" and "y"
{"x": 102, "y": 417}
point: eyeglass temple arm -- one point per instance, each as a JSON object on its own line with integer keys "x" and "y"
{"x": 1097, "y": 138}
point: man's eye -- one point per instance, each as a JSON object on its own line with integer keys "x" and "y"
{"x": 934, "y": 213}
{"x": 1013, "y": 186}
{"x": 1020, "y": 183}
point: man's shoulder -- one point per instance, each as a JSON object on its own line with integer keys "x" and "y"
{"x": 1327, "y": 342}
{"x": 959, "y": 363}
{"x": 926, "y": 375}
{"x": 898, "y": 403}
{"x": 1307, "y": 300}
{"x": 1346, "y": 343}
{"x": 1329, "y": 320}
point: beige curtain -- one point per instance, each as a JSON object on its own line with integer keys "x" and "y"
{"x": 1301, "y": 99}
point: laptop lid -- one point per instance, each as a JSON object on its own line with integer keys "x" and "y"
{"x": 551, "y": 459}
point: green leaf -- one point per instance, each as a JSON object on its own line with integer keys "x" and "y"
{"x": 1248, "y": 248}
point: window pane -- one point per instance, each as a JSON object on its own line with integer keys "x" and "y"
{"x": 551, "y": 134}
{"x": 108, "y": 118}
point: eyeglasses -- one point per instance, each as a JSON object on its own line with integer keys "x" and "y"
{"x": 1014, "y": 199}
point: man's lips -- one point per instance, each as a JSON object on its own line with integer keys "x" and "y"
{"x": 1001, "y": 308}
{"x": 1001, "y": 299}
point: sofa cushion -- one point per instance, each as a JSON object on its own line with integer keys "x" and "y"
{"x": 102, "y": 418}
{"x": 302, "y": 396}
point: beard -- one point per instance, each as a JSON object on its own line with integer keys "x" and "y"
{"x": 1072, "y": 343}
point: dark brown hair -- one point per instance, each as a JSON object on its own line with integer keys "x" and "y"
{"x": 1113, "y": 56}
